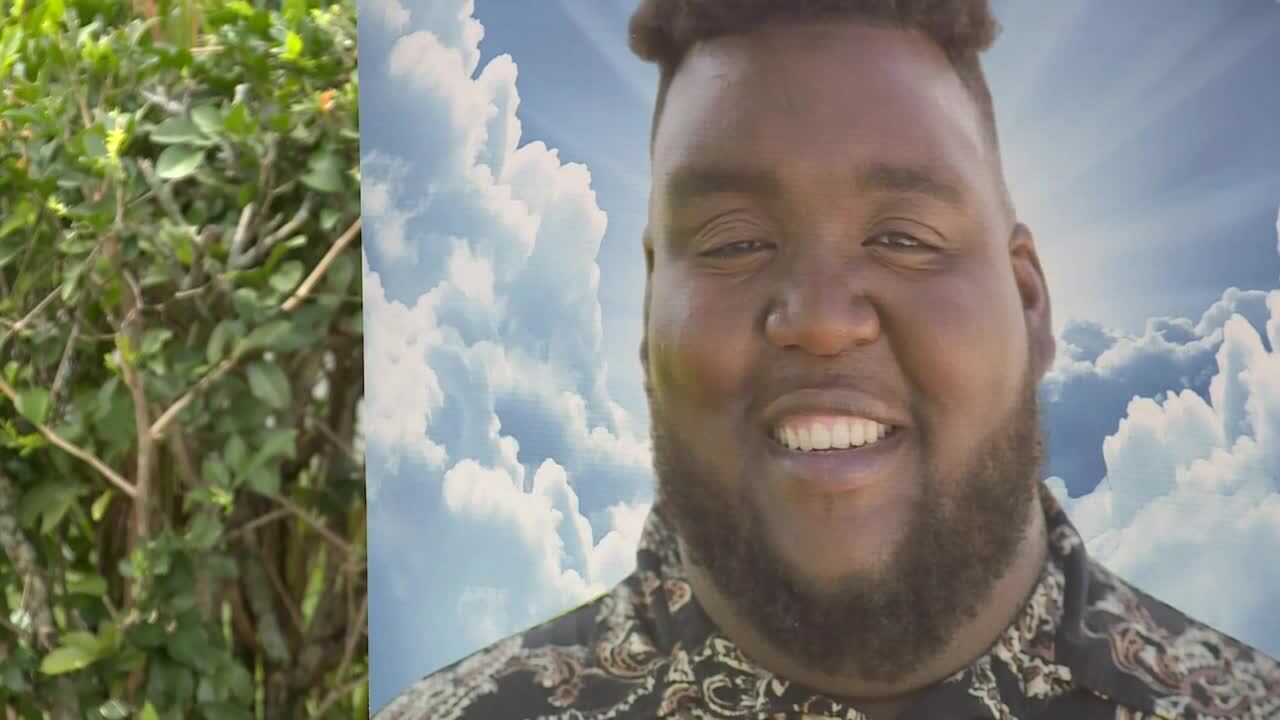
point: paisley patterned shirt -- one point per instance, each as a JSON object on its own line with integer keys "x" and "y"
{"x": 1086, "y": 645}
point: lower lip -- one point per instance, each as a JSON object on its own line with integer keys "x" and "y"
{"x": 832, "y": 472}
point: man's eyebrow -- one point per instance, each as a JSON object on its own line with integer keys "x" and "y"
{"x": 907, "y": 180}
{"x": 687, "y": 184}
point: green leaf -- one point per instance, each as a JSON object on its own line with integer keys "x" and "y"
{"x": 324, "y": 174}
{"x": 179, "y": 161}
{"x": 189, "y": 646}
{"x": 49, "y": 502}
{"x": 178, "y": 131}
{"x": 205, "y": 531}
{"x": 248, "y": 305}
{"x": 66, "y": 659}
{"x": 278, "y": 443}
{"x": 264, "y": 479}
{"x": 236, "y": 452}
{"x": 288, "y": 276}
{"x": 22, "y": 215}
{"x": 94, "y": 141}
{"x": 86, "y": 641}
{"x": 91, "y": 585}
{"x": 33, "y": 403}
{"x": 269, "y": 384}
{"x": 329, "y": 218}
{"x": 155, "y": 339}
{"x": 339, "y": 275}
{"x": 221, "y": 337}
{"x": 208, "y": 119}
{"x": 238, "y": 121}
{"x": 268, "y": 337}
{"x": 215, "y": 471}
{"x": 292, "y": 46}
{"x": 99, "y": 507}
{"x": 110, "y": 638}
{"x": 148, "y": 712}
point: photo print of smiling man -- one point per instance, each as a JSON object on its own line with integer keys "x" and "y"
{"x": 885, "y": 359}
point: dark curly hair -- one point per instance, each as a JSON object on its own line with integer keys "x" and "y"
{"x": 662, "y": 31}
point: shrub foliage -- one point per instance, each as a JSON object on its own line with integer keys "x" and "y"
{"x": 181, "y": 474}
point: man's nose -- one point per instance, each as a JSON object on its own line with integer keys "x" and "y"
{"x": 820, "y": 309}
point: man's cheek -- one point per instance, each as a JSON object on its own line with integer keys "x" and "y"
{"x": 697, "y": 363}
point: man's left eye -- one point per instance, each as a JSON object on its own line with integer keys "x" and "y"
{"x": 742, "y": 247}
{"x": 900, "y": 241}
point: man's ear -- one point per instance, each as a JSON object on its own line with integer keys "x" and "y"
{"x": 1033, "y": 290}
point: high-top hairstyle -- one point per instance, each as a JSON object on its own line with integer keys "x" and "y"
{"x": 662, "y": 31}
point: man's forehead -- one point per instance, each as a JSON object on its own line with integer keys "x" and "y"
{"x": 863, "y": 101}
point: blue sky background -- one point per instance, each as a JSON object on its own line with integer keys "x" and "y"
{"x": 505, "y": 180}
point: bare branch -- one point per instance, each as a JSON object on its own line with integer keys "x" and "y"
{"x": 29, "y": 317}
{"x": 321, "y": 267}
{"x": 82, "y": 455}
{"x": 340, "y": 692}
{"x": 171, "y": 413}
{"x": 173, "y": 107}
{"x": 315, "y": 523}
{"x": 242, "y": 235}
{"x": 163, "y": 193}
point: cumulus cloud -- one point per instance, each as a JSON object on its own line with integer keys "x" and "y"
{"x": 1099, "y": 371}
{"x": 1190, "y": 503}
{"x": 509, "y": 485}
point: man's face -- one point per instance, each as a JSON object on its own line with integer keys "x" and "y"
{"x": 832, "y": 266}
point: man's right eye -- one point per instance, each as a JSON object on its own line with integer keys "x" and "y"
{"x": 742, "y": 247}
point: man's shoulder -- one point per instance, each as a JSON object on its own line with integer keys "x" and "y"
{"x": 1152, "y": 657}
{"x": 540, "y": 672}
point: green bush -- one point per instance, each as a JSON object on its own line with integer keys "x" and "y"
{"x": 181, "y": 475}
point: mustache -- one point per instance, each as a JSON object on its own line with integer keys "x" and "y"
{"x": 782, "y": 379}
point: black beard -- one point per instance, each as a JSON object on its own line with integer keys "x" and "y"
{"x": 964, "y": 533}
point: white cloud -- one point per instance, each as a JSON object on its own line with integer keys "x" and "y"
{"x": 404, "y": 390}
{"x": 389, "y": 12}
{"x": 500, "y": 449}
{"x": 1190, "y": 503}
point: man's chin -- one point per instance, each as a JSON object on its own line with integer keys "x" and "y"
{"x": 822, "y": 559}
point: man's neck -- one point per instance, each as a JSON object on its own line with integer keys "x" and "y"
{"x": 885, "y": 700}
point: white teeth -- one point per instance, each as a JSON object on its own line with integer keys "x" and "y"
{"x": 857, "y": 432}
{"x": 830, "y": 434}
{"x": 820, "y": 436}
{"x": 802, "y": 439}
{"x": 840, "y": 435}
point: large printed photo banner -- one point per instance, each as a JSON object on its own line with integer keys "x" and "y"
{"x": 505, "y": 181}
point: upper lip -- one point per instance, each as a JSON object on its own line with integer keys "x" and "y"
{"x": 830, "y": 401}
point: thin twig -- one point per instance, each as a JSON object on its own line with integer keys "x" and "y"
{"x": 256, "y": 523}
{"x": 61, "y": 375}
{"x": 341, "y": 691}
{"x": 163, "y": 193}
{"x": 131, "y": 328}
{"x": 29, "y": 317}
{"x": 242, "y": 234}
{"x": 315, "y": 523}
{"x": 167, "y": 417}
{"x": 321, "y": 267}
{"x": 339, "y": 443}
{"x": 82, "y": 455}
{"x": 353, "y": 636}
{"x": 173, "y": 107}
{"x": 295, "y": 615}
